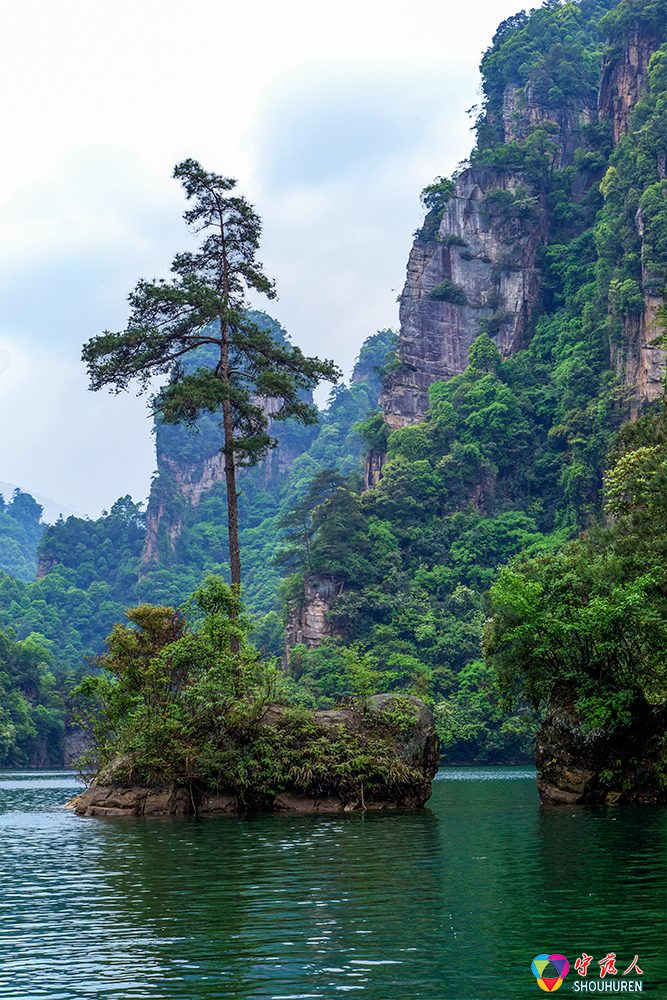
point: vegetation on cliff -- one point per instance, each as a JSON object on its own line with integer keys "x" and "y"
{"x": 594, "y": 613}
{"x": 511, "y": 456}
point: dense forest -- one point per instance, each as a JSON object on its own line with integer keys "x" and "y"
{"x": 514, "y": 536}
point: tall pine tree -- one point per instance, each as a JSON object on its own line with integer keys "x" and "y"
{"x": 203, "y": 308}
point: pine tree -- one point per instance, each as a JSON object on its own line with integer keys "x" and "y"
{"x": 203, "y": 309}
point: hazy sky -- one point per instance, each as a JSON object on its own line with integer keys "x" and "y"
{"x": 332, "y": 116}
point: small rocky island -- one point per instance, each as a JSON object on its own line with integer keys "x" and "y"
{"x": 380, "y": 755}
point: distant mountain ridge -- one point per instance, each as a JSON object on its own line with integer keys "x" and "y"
{"x": 51, "y": 509}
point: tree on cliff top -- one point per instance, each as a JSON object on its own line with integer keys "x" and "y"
{"x": 204, "y": 307}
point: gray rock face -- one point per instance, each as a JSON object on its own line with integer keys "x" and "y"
{"x": 491, "y": 257}
{"x": 624, "y": 76}
{"x": 78, "y": 746}
{"x": 415, "y": 744}
{"x": 522, "y": 113}
{"x": 640, "y": 364}
{"x": 488, "y": 253}
{"x": 308, "y": 623}
{"x": 577, "y": 764}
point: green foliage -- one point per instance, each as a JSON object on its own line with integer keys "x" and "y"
{"x": 319, "y": 674}
{"x": 31, "y": 710}
{"x": 90, "y": 577}
{"x": 106, "y": 550}
{"x": 376, "y": 353}
{"x": 363, "y": 677}
{"x": 474, "y": 727}
{"x": 449, "y": 291}
{"x": 173, "y": 703}
{"x": 594, "y": 613}
{"x": 556, "y": 49}
{"x": 169, "y": 680}
{"x": 374, "y": 431}
{"x": 297, "y": 522}
{"x": 434, "y": 198}
{"x": 650, "y": 15}
{"x": 436, "y": 195}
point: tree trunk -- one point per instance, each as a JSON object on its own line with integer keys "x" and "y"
{"x": 230, "y": 476}
{"x": 232, "y": 499}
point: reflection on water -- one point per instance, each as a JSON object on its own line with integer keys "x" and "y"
{"x": 454, "y": 901}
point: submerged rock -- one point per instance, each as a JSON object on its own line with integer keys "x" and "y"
{"x": 577, "y": 764}
{"x": 407, "y": 729}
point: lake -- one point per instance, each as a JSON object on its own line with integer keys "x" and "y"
{"x": 453, "y": 901}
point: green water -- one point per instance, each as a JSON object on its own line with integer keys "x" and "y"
{"x": 454, "y": 901}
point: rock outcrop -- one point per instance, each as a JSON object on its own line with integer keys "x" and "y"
{"x": 522, "y": 113}
{"x": 479, "y": 273}
{"x": 308, "y": 622}
{"x": 489, "y": 255}
{"x": 577, "y": 764}
{"x": 623, "y": 77}
{"x": 78, "y": 746}
{"x": 406, "y": 722}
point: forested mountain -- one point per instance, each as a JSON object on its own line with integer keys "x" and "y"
{"x": 528, "y": 323}
{"x": 530, "y": 329}
{"x": 91, "y": 571}
{"x": 20, "y": 531}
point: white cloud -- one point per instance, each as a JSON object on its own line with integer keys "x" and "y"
{"x": 79, "y": 448}
{"x": 333, "y": 117}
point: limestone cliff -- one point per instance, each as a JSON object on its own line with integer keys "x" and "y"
{"x": 487, "y": 250}
{"x": 624, "y": 78}
{"x": 523, "y": 113}
{"x": 484, "y": 256}
{"x": 183, "y": 478}
{"x": 308, "y": 623}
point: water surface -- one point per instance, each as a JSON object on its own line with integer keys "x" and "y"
{"x": 453, "y": 901}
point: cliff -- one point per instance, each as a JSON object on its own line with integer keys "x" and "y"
{"x": 484, "y": 256}
{"x": 625, "y": 75}
{"x": 308, "y": 623}
{"x": 624, "y": 80}
{"x": 488, "y": 249}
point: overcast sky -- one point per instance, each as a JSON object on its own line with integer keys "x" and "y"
{"x": 333, "y": 117}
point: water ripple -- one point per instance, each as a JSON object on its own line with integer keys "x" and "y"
{"x": 453, "y": 901}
